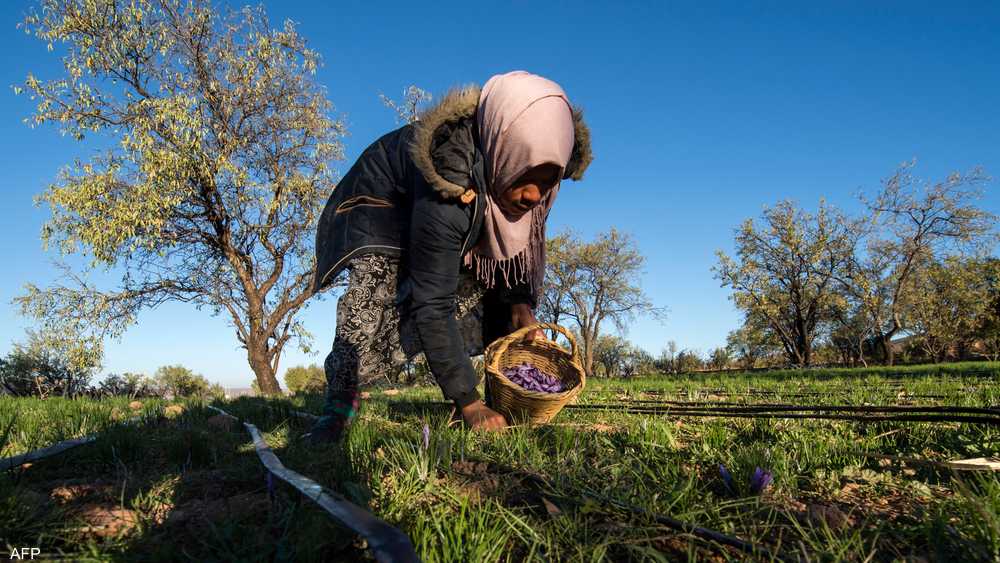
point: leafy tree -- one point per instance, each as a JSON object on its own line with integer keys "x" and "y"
{"x": 909, "y": 224}
{"x": 752, "y": 343}
{"x": 610, "y": 352}
{"x": 305, "y": 379}
{"x": 950, "y": 299}
{"x": 594, "y": 282}
{"x": 178, "y": 381}
{"x": 637, "y": 362}
{"x": 48, "y": 364}
{"x": 850, "y": 329}
{"x": 216, "y": 174}
{"x": 719, "y": 358}
{"x": 688, "y": 361}
{"x": 988, "y": 326}
{"x": 215, "y": 391}
{"x": 783, "y": 272}
{"x": 131, "y": 385}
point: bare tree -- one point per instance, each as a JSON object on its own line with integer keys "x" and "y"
{"x": 910, "y": 223}
{"x": 407, "y": 111}
{"x": 594, "y": 282}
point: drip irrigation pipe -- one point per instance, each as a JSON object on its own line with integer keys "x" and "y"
{"x": 774, "y": 393}
{"x": 42, "y": 453}
{"x": 704, "y": 533}
{"x": 731, "y": 407}
{"x": 387, "y": 544}
{"x": 668, "y": 521}
{"x": 8, "y": 463}
{"x": 992, "y": 420}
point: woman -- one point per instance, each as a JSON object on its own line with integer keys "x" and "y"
{"x": 441, "y": 226}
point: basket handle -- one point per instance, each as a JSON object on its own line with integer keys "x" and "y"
{"x": 503, "y": 343}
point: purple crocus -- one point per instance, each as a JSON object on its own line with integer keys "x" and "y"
{"x": 727, "y": 479}
{"x": 761, "y": 480}
{"x": 427, "y": 437}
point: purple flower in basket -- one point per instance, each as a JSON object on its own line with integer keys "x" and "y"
{"x": 531, "y": 378}
{"x": 761, "y": 480}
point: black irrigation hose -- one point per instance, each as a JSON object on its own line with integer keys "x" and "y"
{"x": 992, "y": 420}
{"x": 670, "y": 522}
{"x": 387, "y": 544}
{"x": 704, "y": 533}
{"x": 723, "y": 393}
{"x": 730, "y": 407}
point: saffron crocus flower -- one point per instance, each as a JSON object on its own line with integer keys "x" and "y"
{"x": 761, "y": 480}
{"x": 427, "y": 437}
{"x": 727, "y": 479}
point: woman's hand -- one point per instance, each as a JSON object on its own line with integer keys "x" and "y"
{"x": 480, "y": 417}
{"x": 521, "y": 316}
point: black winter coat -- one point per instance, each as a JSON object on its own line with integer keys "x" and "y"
{"x": 401, "y": 198}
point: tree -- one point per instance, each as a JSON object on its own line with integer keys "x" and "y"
{"x": 751, "y": 343}
{"x": 305, "y": 379}
{"x": 47, "y": 365}
{"x": 950, "y": 299}
{"x": 988, "y": 327}
{"x": 688, "y": 361}
{"x": 719, "y": 358}
{"x": 178, "y": 381}
{"x": 636, "y": 362}
{"x": 910, "y": 224}
{"x": 667, "y": 362}
{"x": 594, "y": 282}
{"x": 216, "y": 174}
{"x": 407, "y": 111}
{"x": 851, "y": 330}
{"x": 610, "y": 352}
{"x": 131, "y": 385}
{"x": 783, "y": 272}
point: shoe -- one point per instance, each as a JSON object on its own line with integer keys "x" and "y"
{"x": 326, "y": 431}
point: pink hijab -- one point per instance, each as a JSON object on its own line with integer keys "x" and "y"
{"x": 524, "y": 121}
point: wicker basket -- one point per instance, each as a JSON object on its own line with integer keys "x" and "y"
{"x": 518, "y": 404}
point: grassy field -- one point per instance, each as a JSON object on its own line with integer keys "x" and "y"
{"x": 189, "y": 486}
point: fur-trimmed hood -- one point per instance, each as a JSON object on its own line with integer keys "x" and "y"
{"x": 460, "y": 104}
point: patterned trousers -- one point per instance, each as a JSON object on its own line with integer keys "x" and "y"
{"x": 376, "y": 336}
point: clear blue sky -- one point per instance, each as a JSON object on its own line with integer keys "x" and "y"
{"x": 701, "y": 114}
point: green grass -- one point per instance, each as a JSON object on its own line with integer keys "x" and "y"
{"x": 197, "y": 492}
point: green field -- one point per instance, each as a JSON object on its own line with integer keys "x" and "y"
{"x": 187, "y": 488}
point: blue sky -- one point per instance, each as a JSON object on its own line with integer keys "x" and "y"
{"x": 701, "y": 113}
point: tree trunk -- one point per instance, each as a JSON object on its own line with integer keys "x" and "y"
{"x": 888, "y": 354}
{"x": 588, "y": 354}
{"x": 258, "y": 358}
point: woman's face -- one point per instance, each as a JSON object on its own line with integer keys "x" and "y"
{"x": 529, "y": 190}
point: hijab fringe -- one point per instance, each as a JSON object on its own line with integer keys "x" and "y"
{"x": 527, "y": 266}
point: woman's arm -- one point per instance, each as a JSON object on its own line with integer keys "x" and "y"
{"x": 437, "y": 231}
